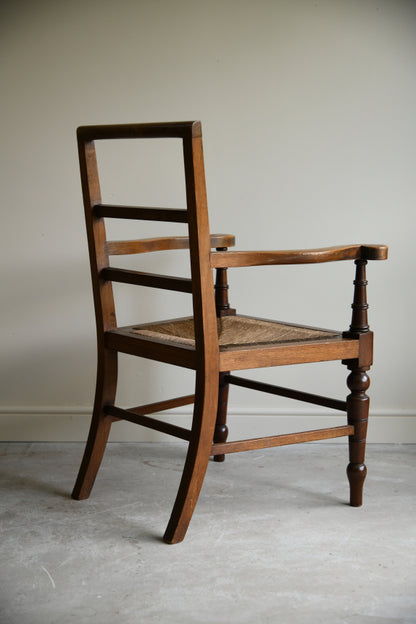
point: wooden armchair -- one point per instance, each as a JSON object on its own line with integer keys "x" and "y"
{"x": 215, "y": 340}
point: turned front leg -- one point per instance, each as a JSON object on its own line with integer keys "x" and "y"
{"x": 358, "y": 402}
{"x": 357, "y": 414}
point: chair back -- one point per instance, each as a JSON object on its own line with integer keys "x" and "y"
{"x": 200, "y": 285}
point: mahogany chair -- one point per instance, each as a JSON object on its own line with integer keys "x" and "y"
{"x": 215, "y": 340}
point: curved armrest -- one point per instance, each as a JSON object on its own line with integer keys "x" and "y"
{"x": 144, "y": 245}
{"x": 300, "y": 256}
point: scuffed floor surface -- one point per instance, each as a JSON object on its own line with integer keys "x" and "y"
{"x": 272, "y": 539}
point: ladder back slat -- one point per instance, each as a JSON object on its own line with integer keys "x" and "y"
{"x": 172, "y": 215}
{"x": 166, "y": 282}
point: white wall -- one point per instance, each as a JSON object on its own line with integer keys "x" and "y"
{"x": 308, "y": 111}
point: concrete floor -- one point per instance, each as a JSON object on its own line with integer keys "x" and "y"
{"x": 271, "y": 541}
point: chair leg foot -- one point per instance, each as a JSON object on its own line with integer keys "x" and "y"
{"x": 197, "y": 460}
{"x": 356, "y": 475}
{"x": 100, "y": 426}
{"x": 94, "y": 451}
{"x": 357, "y": 412}
{"x": 186, "y": 499}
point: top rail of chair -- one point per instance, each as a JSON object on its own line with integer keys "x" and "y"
{"x": 173, "y": 129}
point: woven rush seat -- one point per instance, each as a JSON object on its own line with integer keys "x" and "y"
{"x": 235, "y": 331}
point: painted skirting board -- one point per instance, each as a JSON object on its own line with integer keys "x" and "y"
{"x": 70, "y": 424}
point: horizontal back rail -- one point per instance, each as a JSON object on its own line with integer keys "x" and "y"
{"x": 172, "y": 215}
{"x": 175, "y": 129}
{"x": 145, "y": 245}
{"x": 165, "y": 282}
